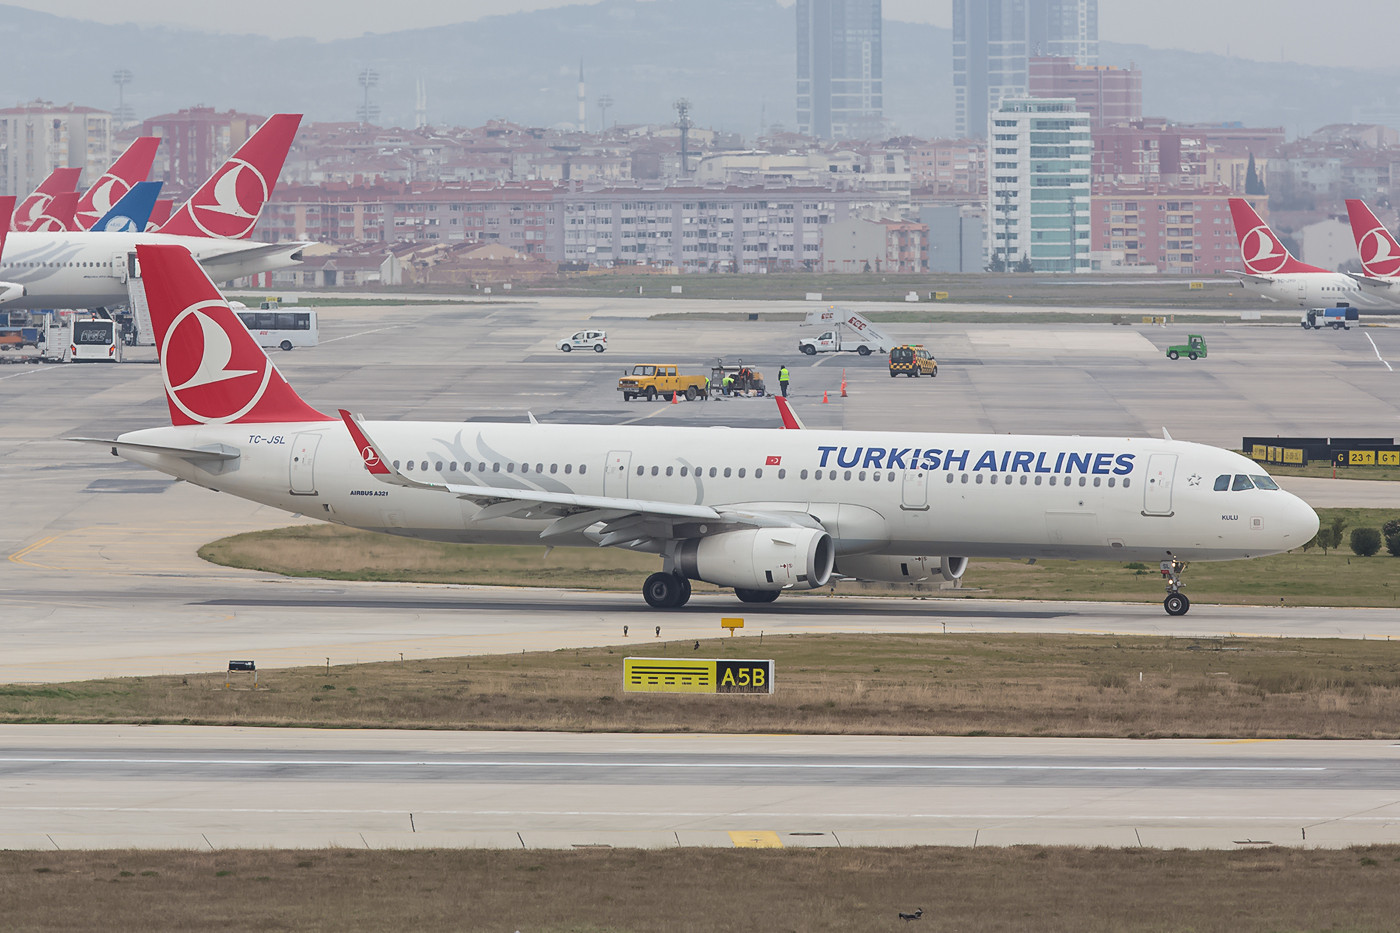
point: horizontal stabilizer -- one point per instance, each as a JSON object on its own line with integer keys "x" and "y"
{"x": 212, "y": 452}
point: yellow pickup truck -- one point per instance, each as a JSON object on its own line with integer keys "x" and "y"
{"x": 649, "y": 380}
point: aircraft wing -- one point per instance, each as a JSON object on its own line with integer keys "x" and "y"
{"x": 626, "y": 522}
{"x": 239, "y": 257}
{"x": 1372, "y": 282}
{"x": 1251, "y": 277}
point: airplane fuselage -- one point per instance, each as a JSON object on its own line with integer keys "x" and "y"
{"x": 1322, "y": 290}
{"x": 88, "y": 270}
{"x": 873, "y": 492}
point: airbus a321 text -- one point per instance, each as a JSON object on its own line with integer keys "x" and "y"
{"x": 760, "y": 511}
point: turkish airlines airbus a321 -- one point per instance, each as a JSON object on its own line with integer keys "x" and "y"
{"x": 761, "y": 511}
{"x": 1271, "y": 270}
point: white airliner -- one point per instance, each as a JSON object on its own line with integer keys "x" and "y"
{"x": 87, "y": 270}
{"x": 1271, "y": 270}
{"x": 757, "y": 510}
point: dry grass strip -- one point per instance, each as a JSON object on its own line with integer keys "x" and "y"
{"x": 1023, "y": 685}
{"x": 683, "y": 890}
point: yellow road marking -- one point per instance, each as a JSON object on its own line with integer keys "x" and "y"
{"x": 756, "y": 839}
{"x": 18, "y": 556}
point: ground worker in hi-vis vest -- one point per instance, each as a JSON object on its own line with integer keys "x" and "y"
{"x": 783, "y": 380}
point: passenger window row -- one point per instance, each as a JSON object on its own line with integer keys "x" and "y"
{"x": 741, "y": 472}
{"x": 1025, "y": 479}
{"x": 467, "y": 467}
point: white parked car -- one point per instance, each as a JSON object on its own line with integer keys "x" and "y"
{"x": 585, "y": 339}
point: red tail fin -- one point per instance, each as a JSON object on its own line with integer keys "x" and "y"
{"x": 58, "y": 214}
{"x": 32, "y": 207}
{"x": 131, "y": 166}
{"x": 1380, "y": 254}
{"x": 215, "y": 372}
{"x": 160, "y": 213}
{"x": 7, "y": 212}
{"x": 1264, "y": 253}
{"x": 228, "y": 204}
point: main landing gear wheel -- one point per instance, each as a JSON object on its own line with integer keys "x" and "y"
{"x": 664, "y": 590}
{"x": 756, "y": 596}
{"x": 1176, "y": 604}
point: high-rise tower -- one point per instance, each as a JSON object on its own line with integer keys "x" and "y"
{"x": 840, "y": 73}
{"x": 993, "y": 39}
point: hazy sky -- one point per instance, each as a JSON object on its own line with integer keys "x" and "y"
{"x": 1358, "y": 33}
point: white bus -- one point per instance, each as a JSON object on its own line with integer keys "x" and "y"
{"x": 94, "y": 341}
{"x": 273, "y": 326}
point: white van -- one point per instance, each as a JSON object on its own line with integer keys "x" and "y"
{"x": 584, "y": 339}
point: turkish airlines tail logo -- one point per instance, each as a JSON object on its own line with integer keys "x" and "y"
{"x": 227, "y": 206}
{"x": 1264, "y": 253}
{"x": 60, "y": 180}
{"x": 214, "y": 371}
{"x": 1380, "y": 254}
{"x": 132, "y": 166}
{"x": 57, "y": 215}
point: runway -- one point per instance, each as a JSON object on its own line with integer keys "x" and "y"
{"x": 183, "y": 787}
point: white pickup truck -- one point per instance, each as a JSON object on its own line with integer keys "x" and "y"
{"x": 843, "y": 331}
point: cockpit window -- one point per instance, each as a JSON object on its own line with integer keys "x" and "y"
{"x": 1241, "y": 482}
{"x": 1222, "y": 482}
{"x": 1263, "y": 482}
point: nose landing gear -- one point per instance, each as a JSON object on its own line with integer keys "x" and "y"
{"x": 1176, "y": 602}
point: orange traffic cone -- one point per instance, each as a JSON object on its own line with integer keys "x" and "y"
{"x": 824, "y": 401}
{"x": 843, "y": 383}
{"x": 675, "y": 398}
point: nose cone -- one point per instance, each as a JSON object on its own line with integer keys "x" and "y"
{"x": 1298, "y": 522}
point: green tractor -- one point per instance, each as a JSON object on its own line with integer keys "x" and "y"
{"x": 1194, "y": 347}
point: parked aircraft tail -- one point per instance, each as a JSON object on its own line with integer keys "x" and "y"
{"x": 132, "y": 211}
{"x": 160, "y": 213}
{"x": 1264, "y": 253}
{"x": 1380, "y": 254}
{"x": 215, "y": 372}
{"x": 32, "y": 208}
{"x": 58, "y": 214}
{"x": 227, "y": 206}
{"x": 131, "y": 166}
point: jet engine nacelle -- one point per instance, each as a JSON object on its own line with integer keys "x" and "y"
{"x": 885, "y": 568}
{"x": 760, "y": 559}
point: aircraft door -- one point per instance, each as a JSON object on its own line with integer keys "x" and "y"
{"x": 615, "y": 474}
{"x": 915, "y": 495}
{"x": 119, "y": 267}
{"x": 303, "y": 464}
{"x": 1157, "y": 494}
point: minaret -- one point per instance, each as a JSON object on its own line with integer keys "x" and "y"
{"x": 582, "y": 126}
{"x": 420, "y": 110}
